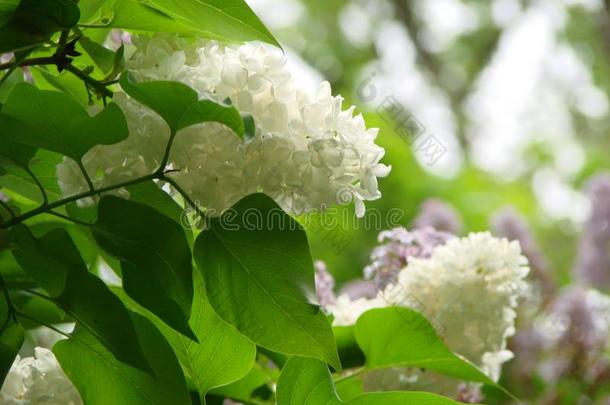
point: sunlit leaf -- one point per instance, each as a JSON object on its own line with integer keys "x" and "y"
{"x": 55, "y": 121}
{"x": 259, "y": 278}
{"x": 179, "y": 105}
{"x": 308, "y": 382}
{"x": 222, "y": 354}
{"x": 99, "y": 376}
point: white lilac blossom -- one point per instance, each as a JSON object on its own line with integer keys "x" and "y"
{"x": 397, "y": 246}
{"x": 593, "y": 263}
{"x": 307, "y": 152}
{"x": 38, "y": 380}
{"x": 347, "y": 311}
{"x": 468, "y": 289}
{"x": 439, "y": 215}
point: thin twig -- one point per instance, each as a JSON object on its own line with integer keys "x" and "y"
{"x": 68, "y": 218}
{"x": 76, "y": 197}
{"x": 47, "y": 60}
{"x": 96, "y": 85}
{"x": 183, "y": 193}
{"x": 86, "y": 175}
{"x": 8, "y": 209}
{"x": 53, "y": 328}
{"x": 45, "y": 199}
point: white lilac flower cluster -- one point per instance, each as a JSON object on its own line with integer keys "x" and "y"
{"x": 468, "y": 289}
{"x": 307, "y": 152}
{"x": 38, "y": 380}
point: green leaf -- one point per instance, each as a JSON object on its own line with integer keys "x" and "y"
{"x": 259, "y": 278}
{"x": 65, "y": 82}
{"x": 16, "y": 153}
{"x": 179, "y": 105}
{"x": 227, "y": 20}
{"x": 101, "y": 379}
{"x": 11, "y": 336}
{"x": 150, "y": 193}
{"x": 34, "y": 21}
{"x": 55, "y": 121}
{"x": 100, "y": 55}
{"x": 134, "y": 15}
{"x": 89, "y": 8}
{"x": 243, "y": 389}
{"x": 222, "y": 355}
{"x": 155, "y": 258}
{"x": 308, "y": 382}
{"x": 55, "y": 264}
{"x": 44, "y": 166}
{"x": 399, "y": 336}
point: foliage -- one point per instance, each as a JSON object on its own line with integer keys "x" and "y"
{"x": 196, "y": 310}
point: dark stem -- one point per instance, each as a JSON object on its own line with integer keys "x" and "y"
{"x": 45, "y": 199}
{"x": 8, "y": 209}
{"x": 183, "y": 193}
{"x": 96, "y": 85}
{"x": 48, "y": 60}
{"x": 86, "y": 175}
{"x": 9, "y": 303}
{"x": 68, "y": 218}
{"x": 168, "y": 149}
{"x": 53, "y": 328}
{"x": 67, "y": 200}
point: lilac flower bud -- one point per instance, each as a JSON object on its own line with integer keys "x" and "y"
{"x": 325, "y": 283}
{"x": 390, "y": 257}
{"x": 359, "y": 289}
{"x": 439, "y": 215}
{"x": 593, "y": 262}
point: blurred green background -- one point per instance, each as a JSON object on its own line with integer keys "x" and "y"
{"x": 516, "y": 91}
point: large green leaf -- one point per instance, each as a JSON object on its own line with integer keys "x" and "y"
{"x": 55, "y": 121}
{"x": 54, "y": 262}
{"x": 308, "y": 382}
{"x": 102, "y": 380}
{"x": 259, "y": 277}
{"x": 11, "y": 336}
{"x": 221, "y": 356}
{"x": 227, "y": 20}
{"x": 179, "y": 105}
{"x": 230, "y": 20}
{"x": 34, "y": 21}
{"x": 399, "y": 336}
{"x": 155, "y": 258}
{"x": 134, "y": 15}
